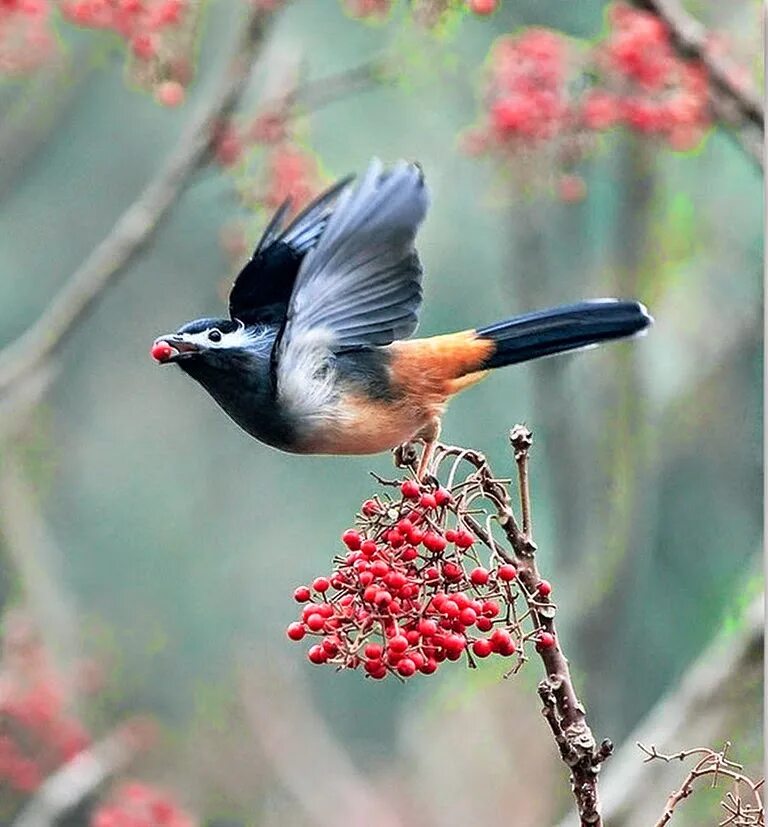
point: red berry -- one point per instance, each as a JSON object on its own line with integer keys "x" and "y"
{"x": 405, "y": 526}
{"x": 507, "y": 572}
{"x": 408, "y": 554}
{"x": 500, "y": 640}
{"x": 449, "y": 608}
{"x": 365, "y": 578}
{"x": 317, "y": 654}
{"x": 429, "y": 667}
{"x": 369, "y": 595}
{"x": 379, "y": 568}
{"x": 442, "y": 496}
{"x": 451, "y": 535}
{"x": 484, "y": 624}
{"x": 468, "y": 616}
{"x": 370, "y": 508}
{"x": 395, "y": 538}
{"x": 383, "y": 598}
{"x": 482, "y": 648}
{"x": 302, "y": 594}
{"x": 170, "y": 93}
{"x": 545, "y": 588}
{"x": 315, "y": 622}
{"x": 406, "y": 667}
{"x": 427, "y": 627}
{"x": 454, "y": 643}
{"x": 452, "y": 571}
{"x": 431, "y": 573}
{"x": 295, "y": 631}
{"x": 330, "y": 647}
{"x": 395, "y": 580}
{"x": 428, "y": 501}
{"x": 464, "y": 539}
{"x": 479, "y": 576}
{"x": 398, "y": 644}
{"x": 490, "y": 608}
{"x": 368, "y": 548}
{"x": 162, "y": 351}
{"x": 482, "y": 7}
{"x": 434, "y": 541}
{"x": 373, "y": 651}
{"x": 321, "y": 584}
{"x": 545, "y": 640}
{"x": 351, "y": 539}
{"x": 410, "y": 489}
{"x": 416, "y": 536}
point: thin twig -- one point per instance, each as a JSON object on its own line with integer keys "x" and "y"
{"x": 135, "y": 228}
{"x": 713, "y": 766}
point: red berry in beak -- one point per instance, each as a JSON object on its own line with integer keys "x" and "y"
{"x": 162, "y": 351}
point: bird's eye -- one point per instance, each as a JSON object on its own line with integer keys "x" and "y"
{"x": 214, "y": 335}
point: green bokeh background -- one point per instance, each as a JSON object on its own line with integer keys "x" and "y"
{"x": 182, "y": 539}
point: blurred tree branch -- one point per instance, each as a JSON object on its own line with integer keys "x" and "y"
{"x": 734, "y": 102}
{"x": 323, "y": 778}
{"x": 80, "y": 778}
{"x": 36, "y": 558}
{"x": 140, "y": 221}
{"x": 698, "y": 708}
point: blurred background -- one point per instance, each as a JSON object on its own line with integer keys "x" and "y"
{"x": 149, "y": 549}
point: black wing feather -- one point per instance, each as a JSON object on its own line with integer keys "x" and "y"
{"x": 262, "y": 289}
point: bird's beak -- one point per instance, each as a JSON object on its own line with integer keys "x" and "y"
{"x": 168, "y": 349}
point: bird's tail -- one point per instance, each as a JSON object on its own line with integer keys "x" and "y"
{"x": 561, "y": 329}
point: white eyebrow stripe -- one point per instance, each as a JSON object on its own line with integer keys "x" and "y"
{"x": 243, "y": 337}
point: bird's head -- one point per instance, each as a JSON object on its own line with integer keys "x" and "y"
{"x": 202, "y": 341}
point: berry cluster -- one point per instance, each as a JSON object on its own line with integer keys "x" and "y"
{"x": 136, "y": 804}
{"x": 412, "y": 591}
{"x": 630, "y": 78}
{"x": 37, "y": 731}
{"x": 26, "y": 41}
{"x": 157, "y": 32}
{"x": 645, "y": 86}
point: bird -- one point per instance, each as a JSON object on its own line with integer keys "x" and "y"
{"x": 316, "y": 355}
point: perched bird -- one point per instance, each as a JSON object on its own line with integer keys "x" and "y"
{"x": 314, "y": 357}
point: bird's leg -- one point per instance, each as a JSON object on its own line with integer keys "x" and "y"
{"x": 429, "y": 434}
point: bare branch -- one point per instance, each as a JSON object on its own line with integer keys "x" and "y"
{"x": 138, "y": 224}
{"x": 562, "y": 710}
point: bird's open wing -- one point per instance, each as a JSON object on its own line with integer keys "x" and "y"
{"x": 361, "y": 284}
{"x": 263, "y": 287}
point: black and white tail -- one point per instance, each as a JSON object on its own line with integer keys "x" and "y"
{"x": 562, "y": 329}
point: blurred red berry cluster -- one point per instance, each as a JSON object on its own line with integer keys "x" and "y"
{"x": 271, "y": 166}
{"x": 136, "y": 804}
{"x": 26, "y": 41}
{"x": 631, "y": 77}
{"x": 158, "y": 33}
{"x": 38, "y": 731}
{"x": 411, "y": 591}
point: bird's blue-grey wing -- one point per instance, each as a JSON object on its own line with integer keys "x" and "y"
{"x": 361, "y": 284}
{"x": 359, "y": 287}
{"x": 262, "y": 289}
